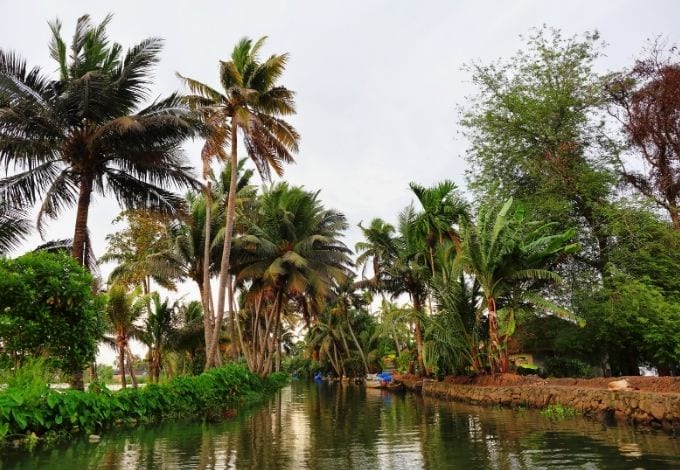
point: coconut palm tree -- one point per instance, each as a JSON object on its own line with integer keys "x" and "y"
{"x": 254, "y": 104}
{"x": 158, "y": 332}
{"x": 442, "y": 207}
{"x": 123, "y": 309}
{"x": 379, "y": 249}
{"x": 291, "y": 254}
{"x": 507, "y": 255}
{"x": 86, "y": 131}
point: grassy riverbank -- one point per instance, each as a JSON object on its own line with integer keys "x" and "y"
{"x": 36, "y": 411}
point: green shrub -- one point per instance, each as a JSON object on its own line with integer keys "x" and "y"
{"x": 46, "y": 411}
{"x": 567, "y": 367}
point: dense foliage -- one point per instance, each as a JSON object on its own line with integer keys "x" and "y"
{"x": 37, "y": 409}
{"x": 48, "y": 308}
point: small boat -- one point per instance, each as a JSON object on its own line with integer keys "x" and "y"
{"x": 395, "y": 387}
{"x": 376, "y": 384}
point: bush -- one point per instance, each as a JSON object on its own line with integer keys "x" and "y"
{"x": 559, "y": 412}
{"x": 567, "y": 367}
{"x": 47, "y": 307}
{"x": 49, "y": 411}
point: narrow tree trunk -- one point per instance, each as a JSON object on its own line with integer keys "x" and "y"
{"x": 206, "y": 294}
{"x": 121, "y": 364}
{"x": 232, "y": 319}
{"x": 356, "y": 342}
{"x": 79, "y": 250}
{"x": 80, "y": 234}
{"x": 494, "y": 344}
{"x": 131, "y": 366}
{"x": 226, "y": 250}
{"x": 419, "y": 336}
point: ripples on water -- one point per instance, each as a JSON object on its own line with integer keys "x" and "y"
{"x": 320, "y": 426}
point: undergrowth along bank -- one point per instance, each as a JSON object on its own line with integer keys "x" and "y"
{"x": 40, "y": 411}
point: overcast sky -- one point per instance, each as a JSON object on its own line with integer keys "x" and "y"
{"x": 378, "y": 82}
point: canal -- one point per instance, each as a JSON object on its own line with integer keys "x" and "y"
{"x": 321, "y": 426}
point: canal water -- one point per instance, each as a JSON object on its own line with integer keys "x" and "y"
{"x": 322, "y": 426}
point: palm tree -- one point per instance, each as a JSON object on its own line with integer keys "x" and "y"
{"x": 379, "y": 248}
{"x": 144, "y": 251}
{"x": 14, "y": 227}
{"x": 506, "y": 254}
{"x": 253, "y": 103}
{"x": 189, "y": 235}
{"x": 85, "y": 132}
{"x": 442, "y": 208}
{"x": 123, "y": 309}
{"x": 292, "y": 253}
{"x": 158, "y": 332}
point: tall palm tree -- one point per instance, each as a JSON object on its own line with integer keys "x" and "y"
{"x": 86, "y": 131}
{"x": 507, "y": 254}
{"x": 254, "y": 104}
{"x": 190, "y": 234}
{"x": 123, "y": 309}
{"x": 292, "y": 253}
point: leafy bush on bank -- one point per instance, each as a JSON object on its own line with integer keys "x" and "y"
{"x": 39, "y": 410}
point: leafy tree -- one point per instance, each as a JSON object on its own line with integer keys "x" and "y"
{"x": 506, "y": 254}
{"x": 123, "y": 309}
{"x": 158, "y": 331}
{"x": 47, "y": 307}
{"x": 255, "y": 104}
{"x": 86, "y": 131}
{"x": 378, "y": 249}
{"x": 144, "y": 252}
{"x": 536, "y": 133}
{"x": 291, "y": 254}
{"x": 647, "y": 104}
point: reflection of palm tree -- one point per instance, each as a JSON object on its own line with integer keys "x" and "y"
{"x": 84, "y": 133}
{"x": 253, "y": 103}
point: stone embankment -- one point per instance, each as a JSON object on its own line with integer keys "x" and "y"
{"x": 638, "y": 407}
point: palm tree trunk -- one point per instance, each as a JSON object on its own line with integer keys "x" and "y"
{"x": 419, "y": 336}
{"x": 121, "y": 364}
{"x": 356, "y": 342}
{"x": 495, "y": 347}
{"x": 226, "y": 250}
{"x": 80, "y": 233}
{"x": 79, "y": 249}
{"x": 131, "y": 366}
{"x": 232, "y": 319}
{"x": 206, "y": 294}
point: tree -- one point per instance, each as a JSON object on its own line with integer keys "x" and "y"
{"x": 158, "y": 331}
{"x": 255, "y": 104}
{"x": 85, "y": 132}
{"x": 442, "y": 207}
{"x": 123, "y": 309}
{"x": 379, "y": 248}
{"x": 506, "y": 253}
{"x": 536, "y": 135}
{"x": 48, "y": 307}
{"x": 647, "y": 104}
{"x": 291, "y": 254}
{"x": 144, "y": 252}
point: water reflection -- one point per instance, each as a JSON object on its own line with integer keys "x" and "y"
{"x": 336, "y": 427}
